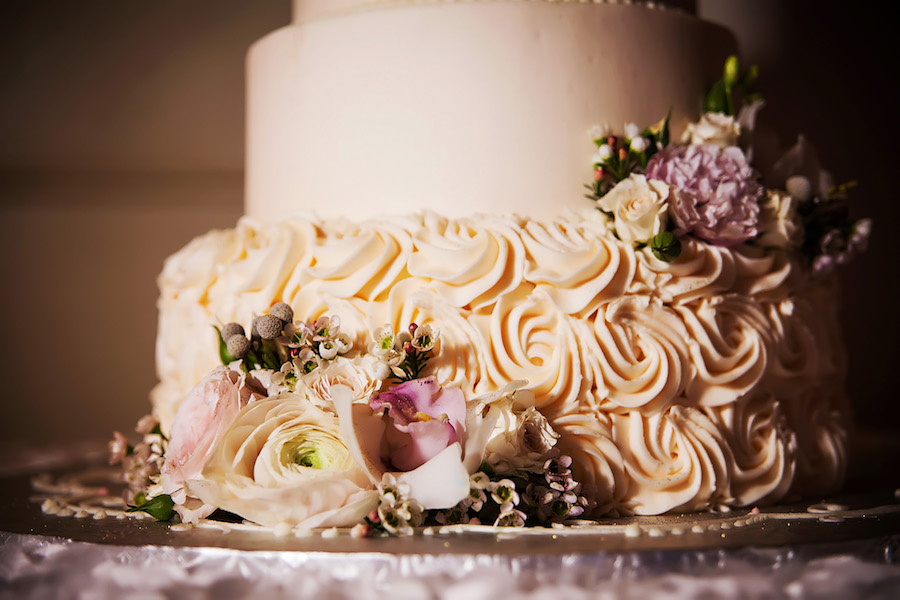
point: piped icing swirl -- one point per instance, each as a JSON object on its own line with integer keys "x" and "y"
{"x": 674, "y": 386}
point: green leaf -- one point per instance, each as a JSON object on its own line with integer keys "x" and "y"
{"x": 665, "y": 246}
{"x": 224, "y": 355}
{"x": 160, "y": 508}
{"x": 717, "y": 99}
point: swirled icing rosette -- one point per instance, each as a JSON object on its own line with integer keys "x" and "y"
{"x": 588, "y": 439}
{"x": 220, "y": 277}
{"x": 701, "y": 270}
{"x": 255, "y": 276}
{"x": 640, "y": 353}
{"x": 820, "y": 420}
{"x": 528, "y": 337}
{"x": 576, "y": 264}
{"x": 356, "y": 259}
{"x": 462, "y": 348}
{"x": 764, "y": 273}
{"x": 728, "y": 348}
{"x": 763, "y": 448}
{"x": 676, "y": 460}
{"x": 793, "y": 358}
{"x": 471, "y": 262}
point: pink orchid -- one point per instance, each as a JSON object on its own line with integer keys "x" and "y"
{"x": 423, "y": 420}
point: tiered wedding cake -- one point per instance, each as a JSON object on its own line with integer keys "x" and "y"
{"x": 664, "y": 338}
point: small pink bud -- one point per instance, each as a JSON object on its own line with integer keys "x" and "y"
{"x": 598, "y": 173}
{"x": 412, "y": 328}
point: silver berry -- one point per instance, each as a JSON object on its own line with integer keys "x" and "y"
{"x": 238, "y": 346}
{"x": 231, "y": 329}
{"x": 283, "y": 311}
{"x": 268, "y": 326}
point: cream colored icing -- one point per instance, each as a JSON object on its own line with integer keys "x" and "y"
{"x": 711, "y": 379}
{"x": 460, "y": 107}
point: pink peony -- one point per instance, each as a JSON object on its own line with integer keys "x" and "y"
{"x": 715, "y": 193}
{"x": 202, "y": 418}
{"x": 424, "y": 419}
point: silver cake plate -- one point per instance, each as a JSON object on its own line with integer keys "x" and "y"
{"x": 66, "y": 532}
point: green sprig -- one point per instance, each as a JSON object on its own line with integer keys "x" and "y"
{"x": 161, "y": 507}
{"x": 722, "y": 96}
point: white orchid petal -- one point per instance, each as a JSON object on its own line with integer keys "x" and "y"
{"x": 441, "y": 482}
{"x": 361, "y": 430}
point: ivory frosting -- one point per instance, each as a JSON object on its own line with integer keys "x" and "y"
{"x": 712, "y": 379}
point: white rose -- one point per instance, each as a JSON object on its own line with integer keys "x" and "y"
{"x": 638, "y": 206}
{"x": 284, "y": 461}
{"x": 360, "y": 374}
{"x": 779, "y": 224}
{"x": 713, "y": 128}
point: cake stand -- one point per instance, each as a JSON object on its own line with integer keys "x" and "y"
{"x": 845, "y": 546}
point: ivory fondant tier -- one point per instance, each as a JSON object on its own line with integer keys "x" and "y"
{"x": 388, "y": 108}
{"x": 713, "y": 379}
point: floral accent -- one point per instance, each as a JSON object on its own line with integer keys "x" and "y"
{"x": 423, "y": 419}
{"x": 201, "y": 420}
{"x": 284, "y": 460}
{"x": 141, "y": 463}
{"x": 396, "y": 514}
{"x": 713, "y": 128}
{"x": 780, "y": 225}
{"x": 638, "y": 208}
{"x": 406, "y": 354}
{"x": 617, "y": 157}
{"x": 715, "y": 195}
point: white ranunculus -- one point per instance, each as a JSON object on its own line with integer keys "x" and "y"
{"x": 713, "y": 128}
{"x": 284, "y": 461}
{"x": 638, "y": 206}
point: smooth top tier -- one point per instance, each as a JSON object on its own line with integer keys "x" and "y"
{"x": 309, "y": 10}
{"x": 461, "y": 108}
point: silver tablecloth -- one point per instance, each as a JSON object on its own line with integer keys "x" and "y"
{"x": 44, "y": 567}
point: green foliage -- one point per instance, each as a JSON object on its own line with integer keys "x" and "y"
{"x": 161, "y": 507}
{"x": 726, "y": 95}
{"x": 665, "y": 246}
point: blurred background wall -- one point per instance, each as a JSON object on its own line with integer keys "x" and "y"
{"x": 121, "y": 138}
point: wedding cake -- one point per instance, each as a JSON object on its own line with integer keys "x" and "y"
{"x": 507, "y": 262}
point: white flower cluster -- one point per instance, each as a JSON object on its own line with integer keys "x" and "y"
{"x": 397, "y": 351}
{"x": 396, "y": 513}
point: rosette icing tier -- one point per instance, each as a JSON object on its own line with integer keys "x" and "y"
{"x": 673, "y": 385}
